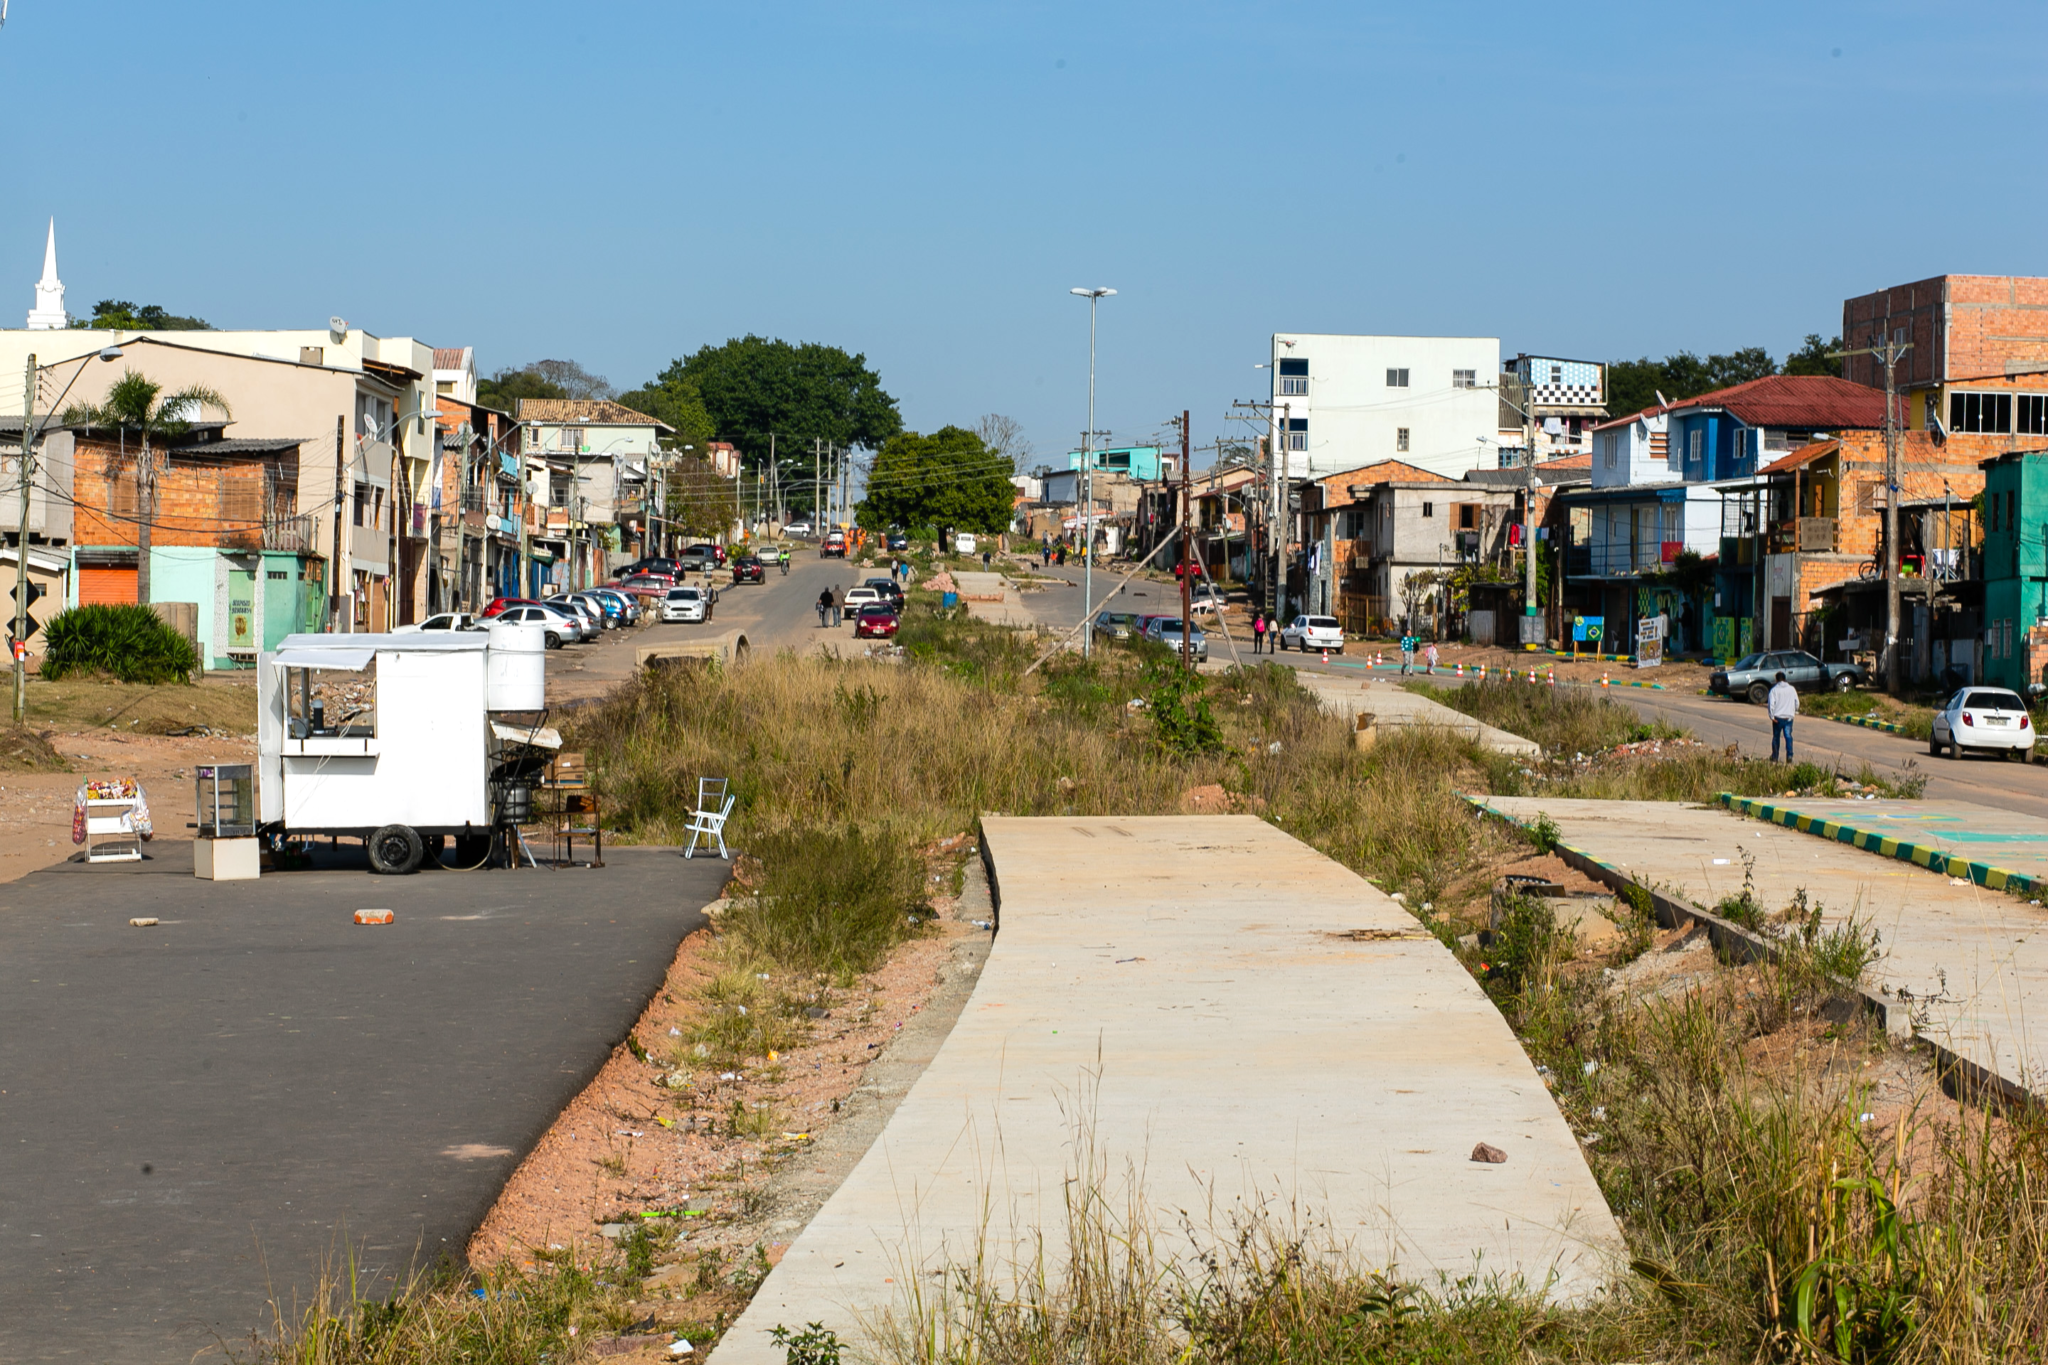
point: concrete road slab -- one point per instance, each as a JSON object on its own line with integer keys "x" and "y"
{"x": 1241, "y": 1019}
{"x": 200, "y": 1111}
{"x": 1392, "y": 705}
{"x": 1970, "y": 963}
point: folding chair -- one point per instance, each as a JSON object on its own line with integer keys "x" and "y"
{"x": 714, "y": 808}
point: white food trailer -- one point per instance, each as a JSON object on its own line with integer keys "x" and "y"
{"x": 404, "y": 741}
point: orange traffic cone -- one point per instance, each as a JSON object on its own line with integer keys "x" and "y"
{"x": 1552, "y": 677}
{"x": 1326, "y": 656}
{"x": 1606, "y": 681}
{"x": 1461, "y": 670}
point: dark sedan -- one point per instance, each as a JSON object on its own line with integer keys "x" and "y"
{"x": 747, "y": 569}
{"x": 1752, "y": 677}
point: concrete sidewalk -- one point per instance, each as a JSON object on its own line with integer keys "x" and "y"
{"x": 1966, "y": 962}
{"x": 2001, "y": 849}
{"x": 1394, "y": 706}
{"x": 992, "y": 597}
{"x": 1242, "y": 1021}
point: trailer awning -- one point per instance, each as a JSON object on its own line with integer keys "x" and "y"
{"x": 346, "y": 660}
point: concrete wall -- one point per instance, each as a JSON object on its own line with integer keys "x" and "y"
{"x": 1354, "y": 417}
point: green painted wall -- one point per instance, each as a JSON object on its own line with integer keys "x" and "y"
{"x": 2015, "y": 562}
{"x": 186, "y": 573}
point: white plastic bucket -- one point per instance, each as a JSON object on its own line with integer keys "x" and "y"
{"x": 515, "y": 667}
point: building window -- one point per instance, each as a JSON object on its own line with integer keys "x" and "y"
{"x": 2030, "y": 414}
{"x": 1692, "y": 448}
{"x": 1297, "y": 433}
{"x": 1397, "y": 379}
{"x": 1429, "y": 509}
{"x": 1557, "y": 374}
{"x": 1608, "y": 444}
{"x": 572, "y": 438}
{"x": 361, "y": 496}
{"x": 1990, "y": 413}
{"x": 1400, "y": 438}
{"x": 1464, "y": 379}
{"x": 1293, "y": 378}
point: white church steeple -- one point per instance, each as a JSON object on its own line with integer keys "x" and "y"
{"x": 48, "y": 315}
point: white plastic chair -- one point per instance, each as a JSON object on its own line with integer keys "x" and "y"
{"x": 714, "y": 808}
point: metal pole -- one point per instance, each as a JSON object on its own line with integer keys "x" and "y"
{"x": 1088, "y": 494}
{"x": 1530, "y": 606}
{"x": 1187, "y": 534}
{"x": 20, "y": 642}
{"x": 1891, "y": 520}
{"x": 1276, "y": 530}
{"x": 337, "y": 561}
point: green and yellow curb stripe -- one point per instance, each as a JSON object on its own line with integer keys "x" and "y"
{"x": 1885, "y": 846}
{"x": 1872, "y": 723}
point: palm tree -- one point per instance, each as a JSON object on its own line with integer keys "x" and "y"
{"x": 139, "y": 404}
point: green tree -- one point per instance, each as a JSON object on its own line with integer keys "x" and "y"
{"x": 1633, "y": 385}
{"x": 1812, "y": 357}
{"x": 674, "y": 399}
{"x": 119, "y": 315}
{"x": 753, "y": 387}
{"x": 700, "y": 501}
{"x": 949, "y": 478}
{"x": 139, "y": 404}
{"x": 541, "y": 379}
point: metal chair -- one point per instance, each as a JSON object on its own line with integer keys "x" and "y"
{"x": 714, "y": 808}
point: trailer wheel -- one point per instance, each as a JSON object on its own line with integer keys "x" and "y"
{"x": 395, "y": 850}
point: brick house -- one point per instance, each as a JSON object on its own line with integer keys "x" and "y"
{"x": 1369, "y": 530}
{"x": 1978, "y": 363}
{"x": 1821, "y": 566}
{"x": 226, "y": 536}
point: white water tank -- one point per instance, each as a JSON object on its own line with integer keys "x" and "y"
{"x": 515, "y": 667}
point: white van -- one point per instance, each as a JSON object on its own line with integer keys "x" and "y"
{"x": 963, "y": 544}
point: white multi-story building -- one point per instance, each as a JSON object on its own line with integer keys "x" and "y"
{"x": 1342, "y": 402}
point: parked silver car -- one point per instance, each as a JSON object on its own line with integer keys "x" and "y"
{"x": 1165, "y": 630}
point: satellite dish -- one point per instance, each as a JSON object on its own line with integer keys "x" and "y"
{"x": 339, "y": 328}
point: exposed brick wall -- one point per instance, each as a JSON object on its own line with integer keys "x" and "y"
{"x": 216, "y": 502}
{"x": 1960, "y": 326}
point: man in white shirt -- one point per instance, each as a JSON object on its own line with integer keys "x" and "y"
{"x": 1783, "y": 704}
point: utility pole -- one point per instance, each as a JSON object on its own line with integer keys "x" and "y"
{"x": 1276, "y": 539}
{"x": 338, "y": 561}
{"x": 19, "y": 644}
{"x": 1187, "y": 541}
{"x": 1889, "y": 354}
{"x": 1530, "y": 606}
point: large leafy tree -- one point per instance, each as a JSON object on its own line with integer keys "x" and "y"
{"x": 949, "y": 478}
{"x": 139, "y": 404}
{"x": 675, "y": 400}
{"x": 1633, "y": 385}
{"x": 753, "y": 389}
{"x": 123, "y": 316}
{"x": 1813, "y": 357}
{"x": 541, "y": 379}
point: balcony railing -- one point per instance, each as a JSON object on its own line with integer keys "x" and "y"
{"x": 1617, "y": 559}
{"x": 293, "y": 535}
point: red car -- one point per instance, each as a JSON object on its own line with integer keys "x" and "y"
{"x": 499, "y": 604}
{"x": 747, "y": 569}
{"x": 876, "y": 621}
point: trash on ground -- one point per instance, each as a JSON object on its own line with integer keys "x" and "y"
{"x": 1488, "y": 1153}
{"x": 374, "y": 917}
{"x": 144, "y": 921}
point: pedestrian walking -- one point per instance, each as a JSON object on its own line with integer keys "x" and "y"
{"x": 1258, "y": 632}
{"x": 986, "y": 559}
{"x": 1429, "y": 658}
{"x": 838, "y": 599}
{"x": 1408, "y": 643}
{"x": 1046, "y": 549}
{"x": 824, "y": 606}
{"x": 1783, "y": 704}
{"x": 1061, "y": 554}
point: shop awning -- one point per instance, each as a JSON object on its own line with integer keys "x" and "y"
{"x": 346, "y": 660}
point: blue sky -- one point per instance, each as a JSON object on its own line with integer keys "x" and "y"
{"x": 620, "y": 183}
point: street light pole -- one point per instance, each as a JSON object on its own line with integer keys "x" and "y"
{"x": 30, "y": 431}
{"x": 1094, "y": 296}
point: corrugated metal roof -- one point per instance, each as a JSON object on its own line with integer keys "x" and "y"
{"x": 1806, "y": 454}
{"x": 1817, "y": 401}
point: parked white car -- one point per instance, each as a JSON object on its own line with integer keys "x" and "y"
{"x": 1987, "y": 719}
{"x": 446, "y": 620}
{"x": 1313, "y": 632}
{"x": 561, "y": 626}
{"x": 685, "y": 605}
{"x": 856, "y": 598}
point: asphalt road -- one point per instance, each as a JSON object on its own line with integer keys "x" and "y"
{"x": 777, "y": 614}
{"x": 194, "y": 1114}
